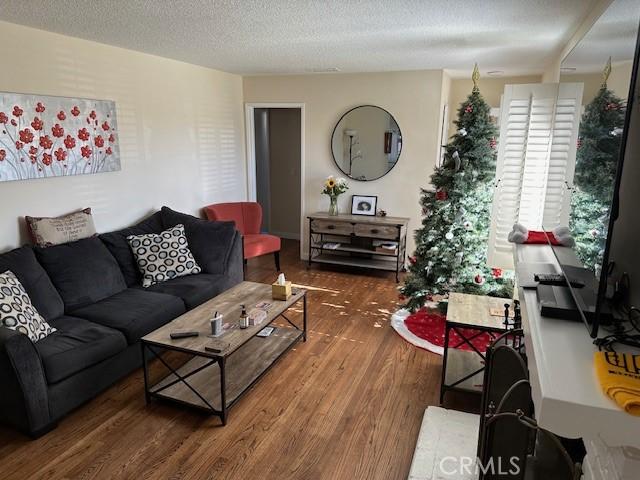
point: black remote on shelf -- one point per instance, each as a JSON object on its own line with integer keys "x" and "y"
{"x": 176, "y": 335}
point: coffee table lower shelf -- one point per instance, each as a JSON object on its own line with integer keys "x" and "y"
{"x": 216, "y": 383}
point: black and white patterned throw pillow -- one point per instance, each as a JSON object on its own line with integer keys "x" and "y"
{"x": 163, "y": 256}
{"x": 17, "y": 312}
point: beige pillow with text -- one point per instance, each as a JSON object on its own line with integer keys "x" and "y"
{"x": 49, "y": 231}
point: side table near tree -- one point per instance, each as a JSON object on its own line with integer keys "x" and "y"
{"x": 469, "y": 316}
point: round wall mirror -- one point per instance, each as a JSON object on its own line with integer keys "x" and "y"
{"x": 366, "y": 143}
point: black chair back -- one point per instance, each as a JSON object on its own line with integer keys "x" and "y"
{"x": 506, "y": 444}
{"x": 505, "y": 366}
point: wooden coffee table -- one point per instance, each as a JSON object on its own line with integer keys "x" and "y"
{"x": 213, "y": 382}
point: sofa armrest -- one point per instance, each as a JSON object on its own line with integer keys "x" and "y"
{"x": 234, "y": 264}
{"x": 24, "y": 401}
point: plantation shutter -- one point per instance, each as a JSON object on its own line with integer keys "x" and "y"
{"x": 536, "y": 160}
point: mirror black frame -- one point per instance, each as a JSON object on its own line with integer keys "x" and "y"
{"x": 334, "y": 132}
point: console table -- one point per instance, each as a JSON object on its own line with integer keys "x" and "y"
{"x": 354, "y": 240}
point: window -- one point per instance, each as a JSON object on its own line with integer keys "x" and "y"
{"x": 536, "y": 159}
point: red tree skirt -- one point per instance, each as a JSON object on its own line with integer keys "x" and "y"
{"x": 426, "y": 327}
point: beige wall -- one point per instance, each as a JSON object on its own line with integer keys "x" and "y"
{"x": 551, "y": 73}
{"x": 413, "y": 98}
{"x": 491, "y": 89}
{"x": 284, "y": 171}
{"x": 181, "y": 130}
{"x": 445, "y": 117}
{"x": 618, "y": 81}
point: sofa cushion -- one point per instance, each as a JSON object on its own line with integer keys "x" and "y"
{"x": 134, "y": 311}
{"x": 209, "y": 241}
{"x": 76, "y": 345}
{"x": 17, "y": 312}
{"x": 260, "y": 244}
{"x": 83, "y": 272}
{"x": 119, "y": 247}
{"x": 194, "y": 289}
{"x": 23, "y": 263}
{"x": 163, "y": 256}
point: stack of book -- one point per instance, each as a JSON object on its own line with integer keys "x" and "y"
{"x": 384, "y": 246}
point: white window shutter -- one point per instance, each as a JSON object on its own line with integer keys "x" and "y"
{"x": 562, "y": 159}
{"x": 536, "y": 159}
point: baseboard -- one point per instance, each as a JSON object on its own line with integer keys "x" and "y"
{"x": 287, "y": 235}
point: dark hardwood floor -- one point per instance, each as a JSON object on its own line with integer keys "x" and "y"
{"x": 345, "y": 405}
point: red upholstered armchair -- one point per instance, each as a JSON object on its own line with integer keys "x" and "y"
{"x": 248, "y": 218}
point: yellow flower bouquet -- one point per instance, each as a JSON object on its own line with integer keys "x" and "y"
{"x": 334, "y": 187}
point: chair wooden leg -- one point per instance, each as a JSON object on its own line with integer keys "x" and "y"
{"x": 277, "y": 258}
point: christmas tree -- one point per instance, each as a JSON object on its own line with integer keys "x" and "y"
{"x": 596, "y": 161}
{"x": 451, "y": 245}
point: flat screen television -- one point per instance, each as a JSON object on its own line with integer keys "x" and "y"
{"x": 608, "y": 54}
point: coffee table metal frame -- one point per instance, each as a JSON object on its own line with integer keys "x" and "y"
{"x": 214, "y": 358}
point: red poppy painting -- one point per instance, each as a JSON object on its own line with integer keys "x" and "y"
{"x": 44, "y": 136}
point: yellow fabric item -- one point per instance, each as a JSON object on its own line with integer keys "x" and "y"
{"x": 619, "y": 376}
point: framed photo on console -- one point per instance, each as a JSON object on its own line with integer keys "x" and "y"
{"x": 364, "y": 205}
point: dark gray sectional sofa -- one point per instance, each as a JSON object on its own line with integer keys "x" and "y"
{"x": 91, "y": 292}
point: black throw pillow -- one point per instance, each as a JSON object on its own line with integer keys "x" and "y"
{"x": 209, "y": 241}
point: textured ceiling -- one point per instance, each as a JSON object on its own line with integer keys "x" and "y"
{"x": 613, "y": 35}
{"x": 297, "y": 36}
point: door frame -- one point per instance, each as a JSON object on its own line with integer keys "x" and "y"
{"x": 249, "y": 108}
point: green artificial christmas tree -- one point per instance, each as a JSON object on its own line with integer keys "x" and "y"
{"x": 599, "y": 145}
{"x": 451, "y": 245}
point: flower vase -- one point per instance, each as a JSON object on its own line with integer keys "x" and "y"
{"x": 333, "y": 205}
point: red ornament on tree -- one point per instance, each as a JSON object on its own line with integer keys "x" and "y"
{"x": 496, "y": 272}
{"x": 493, "y": 143}
{"x": 579, "y": 142}
{"x": 468, "y": 108}
{"x": 412, "y": 260}
{"x": 478, "y": 279}
{"x": 441, "y": 195}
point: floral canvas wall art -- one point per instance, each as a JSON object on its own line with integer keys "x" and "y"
{"x": 43, "y": 136}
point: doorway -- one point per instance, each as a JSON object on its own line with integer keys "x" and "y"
{"x": 275, "y": 147}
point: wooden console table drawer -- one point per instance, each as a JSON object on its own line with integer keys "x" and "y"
{"x": 354, "y": 240}
{"x": 377, "y": 231}
{"x": 331, "y": 227}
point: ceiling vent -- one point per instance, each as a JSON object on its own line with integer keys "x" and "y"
{"x": 324, "y": 70}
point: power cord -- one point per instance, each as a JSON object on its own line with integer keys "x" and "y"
{"x": 620, "y": 334}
